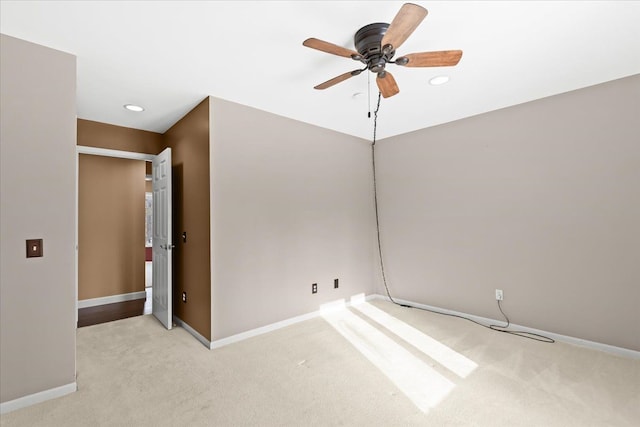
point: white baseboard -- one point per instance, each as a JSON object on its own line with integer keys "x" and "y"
{"x": 262, "y": 330}
{"x": 32, "y": 399}
{"x": 619, "y": 351}
{"x": 273, "y": 326}
{"x": 92, "y": 302}
{"x": 196, "y": 334}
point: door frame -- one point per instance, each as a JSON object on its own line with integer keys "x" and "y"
{"x": 104, "y": 152}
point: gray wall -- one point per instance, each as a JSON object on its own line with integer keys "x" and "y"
{"x": 37, "y": 200}
{"x": 291, "y": 205}
{"x": 541, "y": 200}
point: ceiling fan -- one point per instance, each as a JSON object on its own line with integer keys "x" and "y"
{"x": 376, "y": 45}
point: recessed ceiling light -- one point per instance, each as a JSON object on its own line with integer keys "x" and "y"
{"x": 439, "y": 80}
{"x": 132, "y": 107}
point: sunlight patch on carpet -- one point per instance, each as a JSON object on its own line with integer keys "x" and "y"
{"x": 419, "y": 382}
{"x": 450, "y": 359}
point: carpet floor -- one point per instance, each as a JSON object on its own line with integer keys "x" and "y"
{"x": 365, "y": 367}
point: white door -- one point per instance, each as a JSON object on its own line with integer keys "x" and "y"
{"x": 162, "y": 241}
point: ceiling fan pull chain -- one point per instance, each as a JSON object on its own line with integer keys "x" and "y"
{"x": 369, "y": 94}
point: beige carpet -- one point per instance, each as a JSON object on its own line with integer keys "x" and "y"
{"x": 132, "y": 372}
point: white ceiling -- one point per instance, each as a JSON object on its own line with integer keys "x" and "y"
{"x": 167, "y": 56}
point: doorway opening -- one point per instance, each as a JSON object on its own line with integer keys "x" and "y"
{"x": 110, "y": 273}
{"x": 148, "y": 241}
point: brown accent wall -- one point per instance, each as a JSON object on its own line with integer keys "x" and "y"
{"x": 103, "y": 135}
{"x": 111, "y": 223}
{"x": 189, "y": 142}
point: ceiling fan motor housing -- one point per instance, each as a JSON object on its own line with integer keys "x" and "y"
{"x": 368, "y": 41}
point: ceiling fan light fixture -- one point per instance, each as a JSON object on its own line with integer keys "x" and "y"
{"x": 439, "y": 80}
{"x": 133, "y": 107}
{"x": 376, "y": 46}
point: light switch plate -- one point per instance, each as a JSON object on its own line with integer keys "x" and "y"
{"x": 34, "y": 248}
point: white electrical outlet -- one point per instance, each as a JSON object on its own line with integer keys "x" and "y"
{"x": 499, "y": 295}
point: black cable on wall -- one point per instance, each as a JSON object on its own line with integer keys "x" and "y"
{"x": 497, "y": 328}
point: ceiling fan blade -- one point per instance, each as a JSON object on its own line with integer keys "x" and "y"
{"x": 336, "y": 80}
{"x": 405, "y": 22}
{"x": 329, "y": 47}
{"x": 387, "y": 84}
{"x": 441, "y": 58}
